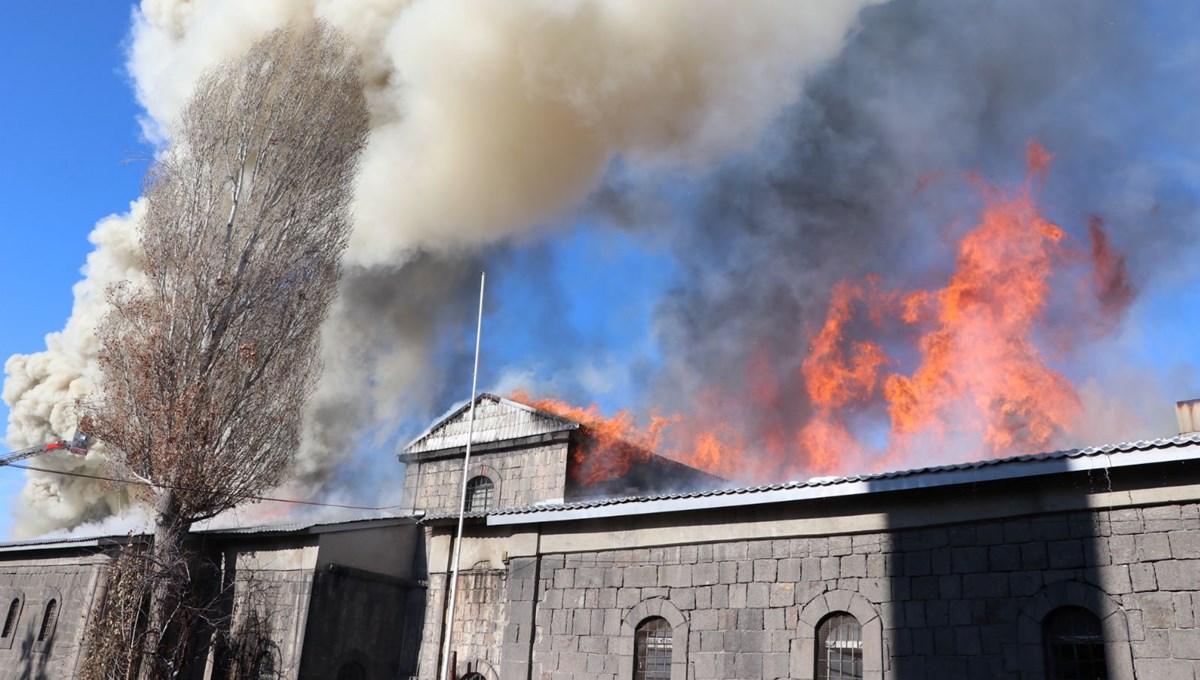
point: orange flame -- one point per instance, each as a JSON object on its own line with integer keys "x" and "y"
{"x": 979, "y": 360}
{"x": 610, "y": 445}
{"x": 980, "y": 385}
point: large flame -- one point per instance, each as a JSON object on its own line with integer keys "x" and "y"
{"x": 980, "y": 385}
{"x": 610, "y": 446}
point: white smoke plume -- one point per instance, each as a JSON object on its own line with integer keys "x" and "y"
{"x": 488, "y": 119}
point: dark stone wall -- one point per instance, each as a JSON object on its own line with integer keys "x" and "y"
{"x": 364, "y": 618}
{"x": 955, "y": 600}
{"x": 33, "y": 581}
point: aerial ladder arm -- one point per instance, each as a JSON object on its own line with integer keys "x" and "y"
{"x": 78, "y": 445}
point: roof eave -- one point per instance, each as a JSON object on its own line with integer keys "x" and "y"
{"x": 1013, "y": 469}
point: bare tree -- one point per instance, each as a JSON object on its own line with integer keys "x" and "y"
{"x": 207, "y": 362}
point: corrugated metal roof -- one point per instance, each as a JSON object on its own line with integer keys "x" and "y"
{"x": 1184, "y": 447}
{"x": 52, "y": 542}
{"x": 496, "y": 419}
{"x": 299, "y": 527}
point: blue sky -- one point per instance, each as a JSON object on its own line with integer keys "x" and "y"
{"x": 73, "y": 155}
{"x": 70, "y": 140}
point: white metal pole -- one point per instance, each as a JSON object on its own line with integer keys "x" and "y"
{"x": 462, "y": 501}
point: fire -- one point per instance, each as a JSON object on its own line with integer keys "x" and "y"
{"x": 610, "y": 445}
{"x": 979, "y": 384}
{"x": 978, "y": 358}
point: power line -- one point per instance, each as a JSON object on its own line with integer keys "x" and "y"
{"x": 138, "y": 482}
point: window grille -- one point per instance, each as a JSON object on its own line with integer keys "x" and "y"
{"x": 839, "y": 648}
{"x": 1074, "y": 645}
{"x": 479, "y": 493}
{"x": 652, "y": 655}
{"x": 10, "y": 621}
{"x": 48, "y": 620}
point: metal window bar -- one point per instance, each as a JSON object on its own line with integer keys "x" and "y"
{"x": 1074, "y": 645}
{"x": 652, "y": 657}
{"x": 479, "y": 493}
{"x": 10, "y": 621}
{"x": 47, "y": 620}
{"x": 839, "y": 648}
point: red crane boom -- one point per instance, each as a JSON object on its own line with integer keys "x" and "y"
{"x": 78, "y": 445}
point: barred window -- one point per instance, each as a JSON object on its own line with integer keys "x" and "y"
{"x": 10, "y": 621}
{"x": 652, "y": 650}
{"x": 479, "y": 493}
{"x": 839, "y": 648}
{"x": 48, "y": 620}
{"x": 1074, "y": 645}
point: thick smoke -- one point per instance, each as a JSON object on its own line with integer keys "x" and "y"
{"x": 488, "y": 119}
{"x": 929, "y": 86}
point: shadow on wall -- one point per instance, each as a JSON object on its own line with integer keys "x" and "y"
{"x": 35, "y": 650}
{"x": 1035, "y": 585}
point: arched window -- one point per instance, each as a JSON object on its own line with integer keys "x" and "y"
{"x": 839, "y": 648}
{"x": 48, "y": 620}
{"x": 351, "y": 671}
{"x": 473, "y": 676}
{"x": 479, "y": 493}
{"x": 652, "y": 650}
{"x": 10, "y": 621}
{"x": 1074, "y": 645}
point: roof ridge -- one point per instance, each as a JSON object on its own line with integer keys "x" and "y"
{"x": 459, "y": 410}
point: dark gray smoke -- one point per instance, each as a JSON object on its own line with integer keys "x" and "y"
{"x": 926, "y": 86}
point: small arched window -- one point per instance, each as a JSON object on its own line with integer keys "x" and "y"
{"x": 351, "y": 671}
{"x": 652, "y": 650}
{"x": 473, "y": 676}
{"x": 839, "y": 648}
{"x": 48, "y": 620}
{"x": 479, "y": 493}
{"x": 10, "y": 620}
{"x": 1074, "y": 643}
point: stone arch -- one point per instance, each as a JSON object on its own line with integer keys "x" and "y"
{"x": 648, "y": 608}
{"x": 804, "y": 647}
{"x": 478, "y": 469}
{"x": 6, "y": 603}
{"x": 1029, "y": 653}
{"x": 352, "y": 665}
{"x": 42, "y": 642}
{"x": 478, "y": 667}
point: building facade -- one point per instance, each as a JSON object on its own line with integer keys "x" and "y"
{"x": 1073, "y": 564}
{"x": 342, "y": 600}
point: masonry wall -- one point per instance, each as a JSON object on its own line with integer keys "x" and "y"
{"x": 480, "y": 613}
{"x": 275, "y": 585}
{"x": 521, "y": 477}
{"x": 951, "y": 601}
{"x": 362, "y": 618}
{"x": 72, "y": 582}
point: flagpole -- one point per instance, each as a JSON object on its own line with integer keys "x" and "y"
{"x": 447, "y": 672}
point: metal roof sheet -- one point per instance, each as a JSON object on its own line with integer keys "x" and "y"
{"x": 56, "y": 542}
{"x": 1183, "y": 447}
{"x": 53, "y": 543}
{"x": 301, "y": 527}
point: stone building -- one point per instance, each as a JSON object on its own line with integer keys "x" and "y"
{"x": 521, "y": 455}
{"x": 340, "y": 600}
{"x": 1074, "y": 564}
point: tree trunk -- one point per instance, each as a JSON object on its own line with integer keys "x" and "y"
{"x": 161, "y": 655}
